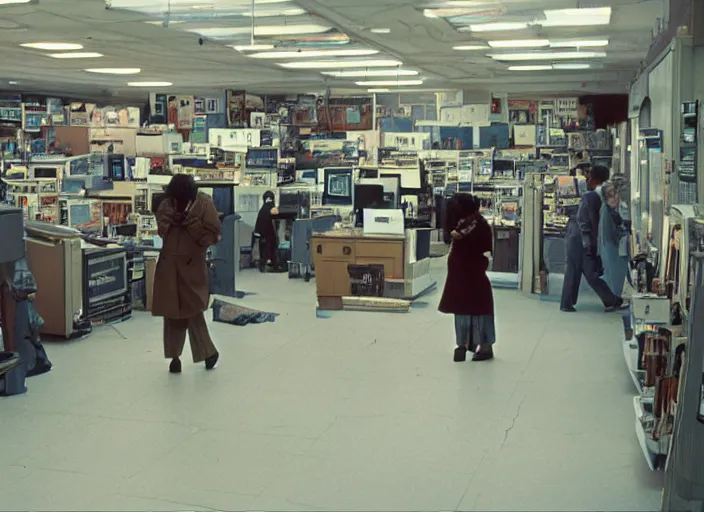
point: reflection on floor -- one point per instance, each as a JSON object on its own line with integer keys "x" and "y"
{"x": 359, "y": 411}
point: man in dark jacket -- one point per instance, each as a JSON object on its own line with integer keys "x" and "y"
{"x": 581, "y": 247}
{"x": 265, "y": 231}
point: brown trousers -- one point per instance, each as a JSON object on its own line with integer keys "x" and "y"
{"x": 202, "y": 346}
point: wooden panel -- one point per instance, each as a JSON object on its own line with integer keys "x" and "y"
{"x": 330, "y": 303}
{"x": 332, "y": 278}
{"x": 330, "y": 248}
{"x": 50, "y": 300}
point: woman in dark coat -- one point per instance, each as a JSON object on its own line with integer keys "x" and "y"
{"x": 467, "y": 293}
{"x": 188, "y": 223}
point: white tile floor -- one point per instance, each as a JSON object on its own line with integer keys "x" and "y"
{"x": 359, "y": 411}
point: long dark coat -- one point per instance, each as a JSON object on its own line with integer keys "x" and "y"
{"x": 181, "y": 281}
{"x": 467, "y": 288}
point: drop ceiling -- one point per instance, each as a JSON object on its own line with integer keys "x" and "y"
{"x": 190, "y": 43}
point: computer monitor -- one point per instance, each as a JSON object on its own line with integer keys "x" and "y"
{"x": 157, "y": 198}
{"x": 338, "y": 189}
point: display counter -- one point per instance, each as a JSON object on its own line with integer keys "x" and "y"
{"x": 405, "y": 274}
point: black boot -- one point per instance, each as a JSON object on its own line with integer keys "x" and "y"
{"x": 175, "y": 366}
{"x": 212, "y": 361}
{"x": 460, "y": 354}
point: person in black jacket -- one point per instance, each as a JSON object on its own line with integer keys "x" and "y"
{"x": 265, "y": 231}
{"x": 581, "y": 248}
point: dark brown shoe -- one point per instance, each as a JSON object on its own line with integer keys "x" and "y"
{"x": 483, "y": 354}
{"x": 460, "y": 354}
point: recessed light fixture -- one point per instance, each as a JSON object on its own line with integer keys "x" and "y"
{"x": 378, "y": 90}
{"x": 530, "y": 68}
{"x": 332, "y": 64}
{"x": 521, "y": 43}
{"x": 253, "y": 47}
{"x": 580, "y": 43}
{"x": 389, "y": 83}
{"x": 149, "y": 84}
{"x": 263, "y": 30}
{"x": 495, "y": 27}
{"x": 115, "y": 71}
{"x": 8, "y": 2}
{"x": 380, "y": 31}
{"x": 353, "y": 52}
{"x": 264, "y": 13}
{"x": 76, "y": 55}
{"x": 548, "y": 55}
{"x": 53, "y": 46}
{"x": 571, "y": 66}
{"x": 371, "y": 72}
{"x": 12, "y": 82}
{"x": 469, "y": 47}
{"x": 576, "y": 17}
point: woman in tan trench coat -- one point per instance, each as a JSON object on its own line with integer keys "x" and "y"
{"x": 188, "y": 223}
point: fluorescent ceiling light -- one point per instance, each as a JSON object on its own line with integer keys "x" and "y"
{"x": 471, "y": 47}
{"x": 162, "y": 22}
{"x": 576, "y": 17}
{"x": 348, "y": 52}
{"x": 556, "y": 67}
{"x": 496, "y": 27}
{"x": 253, "y": 47}
{"x": 582, "y": 43}
{"x": 332, "y": 64}
{"x": 13, "y": 82}
{"x": 390, "y": 83}
{"x": 521, "y": 43}
{"x": 530, "y": 68}
{"x": 571, "y": 66}
{"x": 380, "y": 31}
{"x": 546, "y": 55}
{"x": 76, "y": 55}
{"x": 263, "y": 30}
{"x": 149, "y": 84}
{"x": 371, "y": 72}
{"x": 378, "y": 90}
{"x": 8, "y": 2}
{"x": 115, "y": 71}
{"x": 53, "y": 46}
{"x": 296, "y": 11}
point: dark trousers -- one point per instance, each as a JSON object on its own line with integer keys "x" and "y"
{"x": 267, "y": 251}
{"x": 175, "y": 330}
{"x": 578, "y": 264}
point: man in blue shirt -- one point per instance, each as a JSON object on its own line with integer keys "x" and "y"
{"x": 581, "y": 248}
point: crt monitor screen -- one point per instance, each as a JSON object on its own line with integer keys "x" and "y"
{"x": 369, "y": 196}
{"x": 157, "y": 198}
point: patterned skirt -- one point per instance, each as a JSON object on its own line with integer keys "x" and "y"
{"x": 475, "y": 330}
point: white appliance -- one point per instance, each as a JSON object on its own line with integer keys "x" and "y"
{"x": 159, "y": 143}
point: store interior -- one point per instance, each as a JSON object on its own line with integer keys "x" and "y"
{"x": 364, "y": 123}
